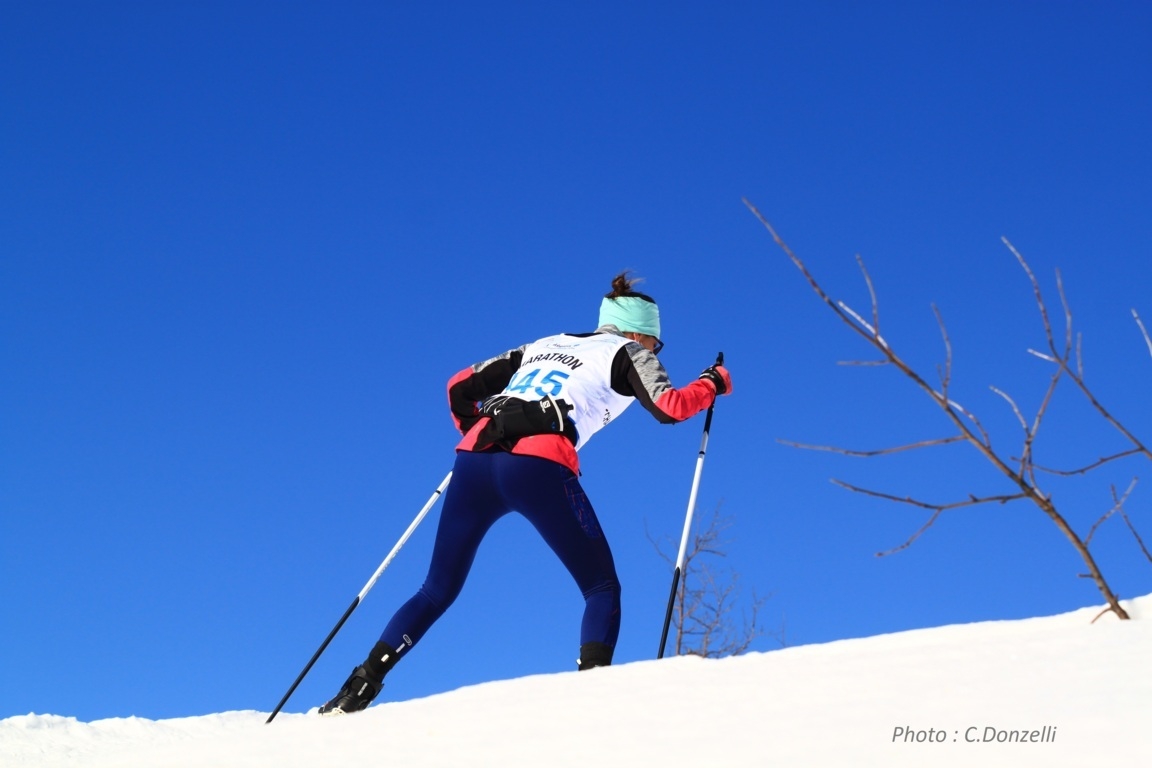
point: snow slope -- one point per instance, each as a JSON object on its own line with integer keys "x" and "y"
{"x": 1081, "y": 691}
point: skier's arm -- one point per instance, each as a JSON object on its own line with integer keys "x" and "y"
{"x": 638, "y": 373}
{"x": 474, "y": 384}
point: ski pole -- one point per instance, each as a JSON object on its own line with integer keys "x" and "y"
{"x": 679, "y": 571}
{"x": 363, "y": 592}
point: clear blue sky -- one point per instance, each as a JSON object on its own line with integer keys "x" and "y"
{"x": 244, "y": 245}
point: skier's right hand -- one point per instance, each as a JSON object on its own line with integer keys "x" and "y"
{"x": 720, "y": 378}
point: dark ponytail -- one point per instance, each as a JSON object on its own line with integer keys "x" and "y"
{"x": 622, "y": 286}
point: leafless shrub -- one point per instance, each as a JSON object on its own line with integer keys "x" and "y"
{"x": 708, "y": 619}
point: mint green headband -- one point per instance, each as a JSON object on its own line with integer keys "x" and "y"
{"x": 629, "y": 313}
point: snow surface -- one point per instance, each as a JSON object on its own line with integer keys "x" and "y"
{"x": 835, "y": 704}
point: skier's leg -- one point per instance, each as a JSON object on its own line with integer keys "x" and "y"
{"x": 553, "y": 501}
{"x": 470, "y": 508}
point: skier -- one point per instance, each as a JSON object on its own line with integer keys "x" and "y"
{"x": 524, "y": 415}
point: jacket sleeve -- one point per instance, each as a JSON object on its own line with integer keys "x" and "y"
{"x": 473, "y": 385}
{"x": 638, "y": 373}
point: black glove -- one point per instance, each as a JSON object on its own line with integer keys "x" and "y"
{"x": 718, "y": 376}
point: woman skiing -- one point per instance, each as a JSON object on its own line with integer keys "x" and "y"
{"x": 524, "y": 415}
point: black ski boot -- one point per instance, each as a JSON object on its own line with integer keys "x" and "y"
{"x": 364, "y": 684}
{"x": 356, "y": 694}
{"x": 594, "y": 655}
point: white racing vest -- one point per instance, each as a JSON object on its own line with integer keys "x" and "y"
{"x": 578, "y": 370}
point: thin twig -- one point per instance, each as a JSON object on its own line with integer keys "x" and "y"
{"x": 1015, "y": 409}
{"x": 971, "y": 501}
{"x": 937, "y": 509}
{"x": 912, "y": 539}
{"x": 1025, "y": 454}
{"x": 1062, "y": 360}
{"x": 1067, "y": 320}
{"x": 1143, "y": 331}
{"x": 1117, "y": 506}
{"x": 1140, "y": 447}
{"x": 1140, "y": 541}
{"x": 1043, "y": 409}
{"x": 1090, "y": 467}
{"x": 1080, "y": 354}
{"x": 872, "y": 330}
{"x": 1035, "y": 291}
{"x": 986, "y": 438}
{"x": 871, "y": 293}
{"x": 1028, "y": 466}
{"x": 802, "y": 267}
{"x": 879, "y": 452}
{"x": 946, "y": 376}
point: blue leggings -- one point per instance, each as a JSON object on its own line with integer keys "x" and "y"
{"x": 486, "y": 486}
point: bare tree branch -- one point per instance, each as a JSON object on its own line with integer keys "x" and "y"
{"x": 1117, "y": 506}
{"x": 872, "y": 331}
{"x": 971, "y": 501}
{"x": 1080, "y": 355}
{"x": 1036, "y": 291}
{"x": 1026, "y": 456}
{"x": 879, "y": 452}
{"x": 834, "y": 306}
{"x": 967, "y": 424}
{"x": 1140, "y": 541}
{"x": 985, "y": 440}
{"x": 1061, "y": 360}
{"x": 1143, "y": 331}
{"x": 912, "y": 539}
{"x": 1015, "y": 410}
{"x": 946, "y": 374}
{"x": 707, "y": 599}
{"x": 1067, "y": 322}
{"x": 937, "y": 509}
{"x": 871, "y": 294}
{"x": 1085, "y": 470}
